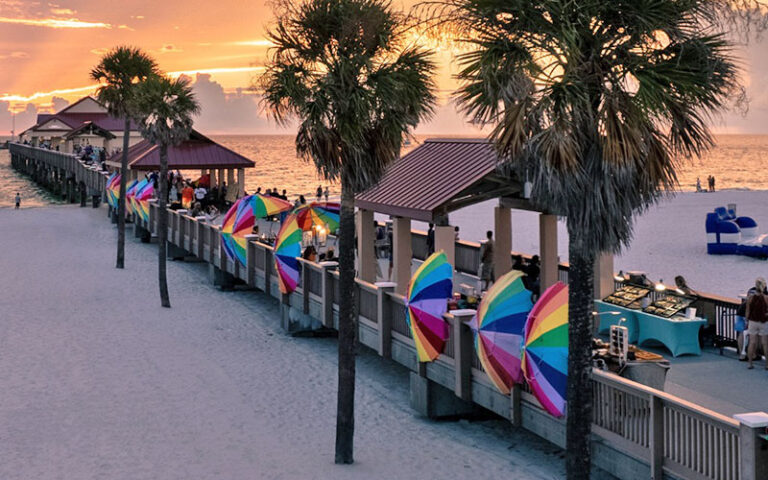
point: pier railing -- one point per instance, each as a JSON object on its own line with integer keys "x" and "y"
{"x": 719, "y": 311}
{"x": 638, "y": 432}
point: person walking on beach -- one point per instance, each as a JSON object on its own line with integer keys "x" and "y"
{"x": 757, "y": 328}
{"x": 17, "y": 200}
{"x": 327, "y": 194}
{"x": 319, "y": 192}
{"x": 698, "y": 184}
{"x": 713, "y": 183}
{"x": 486, "y": 262}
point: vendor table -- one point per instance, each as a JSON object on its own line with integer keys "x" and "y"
{"x": 679, "y": 336}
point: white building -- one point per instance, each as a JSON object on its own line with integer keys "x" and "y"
{"x": 85, "y": 122}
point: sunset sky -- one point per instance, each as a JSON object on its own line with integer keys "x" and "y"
{"x": 48, "y": 49}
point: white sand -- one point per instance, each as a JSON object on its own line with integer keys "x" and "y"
{"x": 98, "y": 381}
{"x": 669, "y": 240}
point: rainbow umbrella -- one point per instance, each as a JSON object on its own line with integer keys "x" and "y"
{"x": 130, "y": 190}
{"x": 426, "y": 302}
{"x": 499, "y": 326}
{"x": 287, "y": 249}
{"x": 318, "y": 213}
{"x": 141, "y": 199}
{"x": 227, "y": 226}
{"x": 113, "y": 189}
{"x": 545, "y": 355}
{"x": 247, "y": 210}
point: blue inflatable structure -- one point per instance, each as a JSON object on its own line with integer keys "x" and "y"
{"x": 728, "y": 234}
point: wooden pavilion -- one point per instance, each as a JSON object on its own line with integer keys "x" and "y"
{"x": 444, "y": 175}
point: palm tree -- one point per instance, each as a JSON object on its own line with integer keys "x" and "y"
{"x": 118, "y": 72}
{"x": 164, "y": 109}
{"x": 341, "y": 68}
{"x": 596, "y": 101}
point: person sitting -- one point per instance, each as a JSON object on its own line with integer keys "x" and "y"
{"x": 329, "y": 256}
{"x": 682, "y": 286}
{"x": 197, "y": 210}
{"x": 309, "y": 253}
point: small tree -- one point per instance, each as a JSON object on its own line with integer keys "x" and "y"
{"x": 164, "y": 109}
{"x": 119, "y": 71}
{"x": 340, "y": 67}
{"x": 595, "y": 101}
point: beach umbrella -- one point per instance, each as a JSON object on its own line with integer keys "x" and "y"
{"x": 426, "y": 302}
{"x": 287, "y": 249}
{"x": 498, "y": 328}
{"x": 130, "y": 190}
{"x": 141, "y": 199}
{"x": 227, "y": 227}
{"x": 113, "y": 189}
{"x": 247, "y": 210}
{"x": 318, "y": 213}
{"x": 545, "y": 355}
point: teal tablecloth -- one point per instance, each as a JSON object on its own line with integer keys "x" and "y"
{"x": 680, "y": 337}
{"x": 626, "y": 318}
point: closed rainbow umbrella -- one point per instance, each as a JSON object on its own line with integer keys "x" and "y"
{"x": 287, "y": 249}
{"x": 545, "y": 355}
{"x": 247, "y": 210}
{"x": 498, "y": 328}
{"x": 130, "y": 190}
{"x": 318, "y": 213}
{"x": 113, "y": 189}
{"x": 427, "y": 300}
{"x": 141, "y": 199}
{"x": 227, "y": 226}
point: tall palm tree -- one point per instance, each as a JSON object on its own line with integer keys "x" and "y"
{"x": 164, "y": 108}
{"x": 118, "y": 72}
{"x": 596, "y": 101}
{"x": 342, "y": 68}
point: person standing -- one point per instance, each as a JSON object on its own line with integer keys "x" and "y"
{"x": 17, "y": 200}
{"x": 326, "y": 193}
{"x": 713, "y": 183}
{"x": 486, "y": 262}
{"x": 757, "y": 329}
{"x": 319, "y": 192}
{"x": 431, "y": 239}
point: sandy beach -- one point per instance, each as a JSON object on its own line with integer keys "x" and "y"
{"x": 669, "y": 239}
{"x": 98, "y": 381}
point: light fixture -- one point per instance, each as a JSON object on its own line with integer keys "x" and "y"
{"x": 660, "y": 286}
{"x": 619, "y": 277}
{"x": 679, "y": 292}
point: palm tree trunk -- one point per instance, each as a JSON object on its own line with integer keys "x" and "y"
{"x": 579, "y": 395}
{"x": 162, "y": 227}
{"x": 345, "y": 414}
{"x": 121, "y": 201}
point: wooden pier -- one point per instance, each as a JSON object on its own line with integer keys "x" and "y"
{"x": 638, "y": 432}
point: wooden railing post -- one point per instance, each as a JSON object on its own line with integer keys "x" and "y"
{"x": 657, "y": 438}
{"x": 327, "y": 294}
{"x": 462, "y": 353}
{"x": 516, "y": 406}
{"x": 754, "y": 455}
{"x": 250, "y": 255}
{"x": 306, "y": 279}
{"x": 200, "y": 238}
{"x": 384, "y": 313}
{"x": 268, "y": 267}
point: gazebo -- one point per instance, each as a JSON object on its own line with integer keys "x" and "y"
{"x": 197, "y": 153}
{"x": 441, "y": 176}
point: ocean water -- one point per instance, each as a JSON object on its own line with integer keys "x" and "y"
{"x": 737, "y": 162}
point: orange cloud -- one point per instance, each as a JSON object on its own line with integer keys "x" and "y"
{"x": 55, "y": 23}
